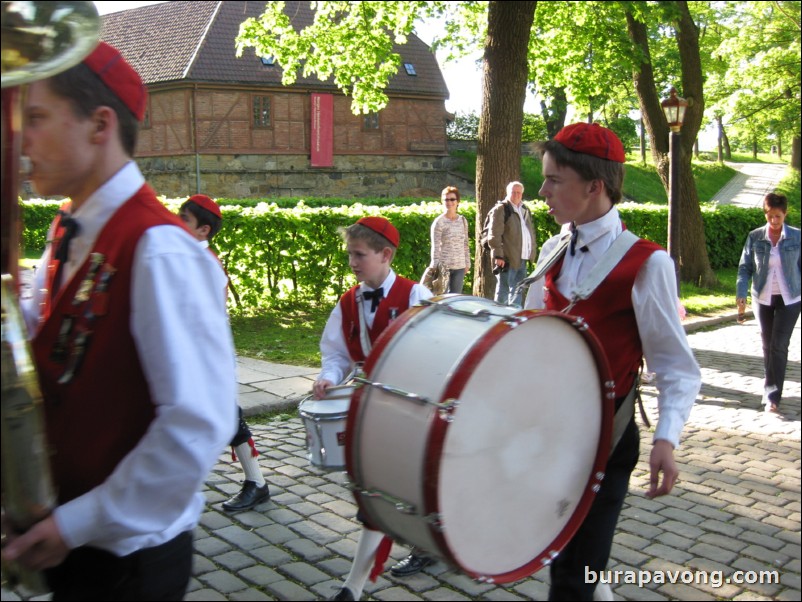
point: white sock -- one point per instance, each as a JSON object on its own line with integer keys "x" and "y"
{"x": 250, "y": 465}
{"x": 369, "y": 541}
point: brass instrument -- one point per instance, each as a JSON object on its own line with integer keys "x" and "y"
{"x": 28, "y": 493}
{"x": 38, "y": 40}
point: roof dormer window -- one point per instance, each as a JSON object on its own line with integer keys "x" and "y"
{"x": 410, "y": 69}
{"x": 268, "y": 61}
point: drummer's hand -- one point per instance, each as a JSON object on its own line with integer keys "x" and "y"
{"x": 662, "y": 460}
{"x": 319, "y": 388}
{"x": 40, "y": 547}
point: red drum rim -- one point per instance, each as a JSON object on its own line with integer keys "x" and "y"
{"x": 356, "y": 398}
{"x": 439, "y": 429}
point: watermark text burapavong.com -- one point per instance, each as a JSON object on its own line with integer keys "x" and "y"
{"x": 688, "y": 577}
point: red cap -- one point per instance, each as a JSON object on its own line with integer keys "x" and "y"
{"x": 201, "y": 200}
{"x": 592, "y": 139}
{"x": 107, "y": 63}
{"x": 381, "y": 226}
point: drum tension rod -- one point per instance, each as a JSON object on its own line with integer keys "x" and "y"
{"x": 446, "y": 405}
{"x": 401, "y": 505}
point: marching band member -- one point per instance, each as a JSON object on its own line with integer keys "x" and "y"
{"x": 633, "y": 312}
{"x": 202, "y": 216}
{"x": 356, "y": 322}
{"x": 139, "y": 400}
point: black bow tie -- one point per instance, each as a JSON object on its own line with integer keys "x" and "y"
{"x": 71, "y": 230}
{"x": 375, "y": 298}
{"x": 574, "y": 236}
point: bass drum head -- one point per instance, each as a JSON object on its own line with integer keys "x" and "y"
{"x": 516, "y": 467}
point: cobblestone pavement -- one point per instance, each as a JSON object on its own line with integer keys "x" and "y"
{"x": 736, "y": 508}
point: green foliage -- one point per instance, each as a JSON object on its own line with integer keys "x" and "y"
{"x": 625, "y": 129}
{"x": 464, "y": 127}
{"x": 350, "y": 42}
{"x": 534, "y": 128}
{"x": 37, "y": 217}
{"x": 294, "y": 256}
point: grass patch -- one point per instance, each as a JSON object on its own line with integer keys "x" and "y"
{"x": 293, "y": 336}
{"x": 701, "y": 301}
{"x": 285, "y": 336}
{"x": 275, "y": 416}
{"x": 641, "y": 182}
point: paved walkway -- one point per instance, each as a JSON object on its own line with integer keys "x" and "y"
{"x": 748, "y": 187}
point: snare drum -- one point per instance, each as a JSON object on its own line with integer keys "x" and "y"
{"x": 481, "y": 433}
{"x": 324, "y": 420}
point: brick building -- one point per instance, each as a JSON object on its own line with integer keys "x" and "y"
{"x": 228, "y": 127}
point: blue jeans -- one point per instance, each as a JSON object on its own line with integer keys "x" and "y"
{"x": 776, "y": 327}
{"x": 456, "y": 278}
{"x": 506, "y": 282}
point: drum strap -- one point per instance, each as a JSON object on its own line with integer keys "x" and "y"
{"x": 621, "y": 245}
{"x": 622, "y": 417}
{"x": 364, "y": 335}
{"x": 600, "y": 271}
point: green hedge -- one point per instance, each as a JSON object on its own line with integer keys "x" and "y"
{"x": 274, "y": 254}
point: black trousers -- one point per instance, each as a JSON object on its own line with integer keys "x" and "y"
{"x": 243, "y": 431}
{"x": 158, "y": 573}
{"x": 591, "y": 545}
{"x": 776, "y": 327}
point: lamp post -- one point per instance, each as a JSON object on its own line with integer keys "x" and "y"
{"x": 674, "y": 109}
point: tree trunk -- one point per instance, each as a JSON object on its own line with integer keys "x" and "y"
{"x": 795, "y": 154}
{"x": 555, "y": 115}
{"x": 720, "y": 139}
{"x": 694, "y": 261}
{"x": 727, "y": 147}
{"x": 642, "y": 142}
{"x": 498, "y": 154}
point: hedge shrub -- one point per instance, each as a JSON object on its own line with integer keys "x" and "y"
{"x": 274, "y": 254}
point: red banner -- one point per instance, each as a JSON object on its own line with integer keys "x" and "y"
{"x": 322, "y": 130}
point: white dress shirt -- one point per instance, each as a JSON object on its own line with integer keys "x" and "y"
{"x": 654, "y": 299}
{"x": 184, "y": 342}
{"x": 335, "y": 359}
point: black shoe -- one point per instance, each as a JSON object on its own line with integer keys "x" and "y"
{"x": 411, "y": 565}
{"x": 250, "y": 496}
{"x": 344, "y": 594}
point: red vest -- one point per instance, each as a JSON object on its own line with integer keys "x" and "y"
{"x": 610, "y": 314}
{"x": 94, "y": 420}
{"x": 392, "y": 306}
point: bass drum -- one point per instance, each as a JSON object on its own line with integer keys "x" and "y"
{"x": 481, "y": 433}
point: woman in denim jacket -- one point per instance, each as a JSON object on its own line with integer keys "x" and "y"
{"x": 771, "y": 260}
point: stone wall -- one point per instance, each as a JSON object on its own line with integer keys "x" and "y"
{"x": 254, "y": 176}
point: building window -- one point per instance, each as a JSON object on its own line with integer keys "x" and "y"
{"x": 410, "y": 69}
{"x": 268, "y": 61}
{"x": 261, "y": 111}
{"x": 371, "y": 121}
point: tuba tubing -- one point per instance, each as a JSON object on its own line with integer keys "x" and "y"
{"x": 39, "y": 39}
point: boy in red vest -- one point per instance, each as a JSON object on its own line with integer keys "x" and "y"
{"x": 203, "y": 218}
{"x": 633, "y": 312}
{"x": 138, "y": 400}
{"x": 354, "y": 325}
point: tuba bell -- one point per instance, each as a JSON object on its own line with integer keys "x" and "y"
{"x": 39, "y": 39}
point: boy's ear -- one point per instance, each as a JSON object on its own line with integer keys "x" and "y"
{"x": 206, "y": 230}
{"x": 387, "y": 254}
